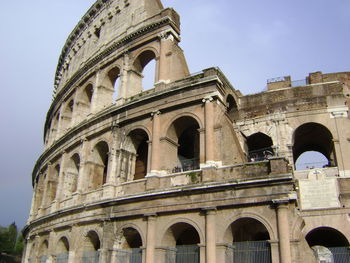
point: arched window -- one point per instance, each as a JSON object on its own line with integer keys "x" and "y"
{"x": 66, "y": 118}
{"x": 91, "y": 247}
{"x": 182, "y": 241}
{"x": 113, "y": 76}
{"x": 72, "y": 173}
{"x": 325, "y": 239}
{"x": 249, "y": 240}
{"x": 62, "y": 250}
{"x": 231, "y": 108}
{"x": 131, "y": 250}
{"x": 185, "y": 137}
{"x": 43, "y": 251}
{"x": 39, "y": 191}
{"x": 52, "y": 184}
{"x": 83, "y": 104}
{"x": 100, "y": 165}
{"x": 136, "y": 75}
{"x": 139, "y": 146}
{"x": 259, "y": 147}
{"x": 318, "y": 141}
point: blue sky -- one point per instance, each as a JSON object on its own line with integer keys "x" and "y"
{"x": 251, "y": 41}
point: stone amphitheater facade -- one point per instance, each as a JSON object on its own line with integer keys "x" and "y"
{"x": 190, "y": 170}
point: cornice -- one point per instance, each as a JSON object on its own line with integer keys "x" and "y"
{"x": 104, "y": 54}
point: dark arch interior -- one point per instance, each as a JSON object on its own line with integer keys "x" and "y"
{"x": 259, "y": 146}
{"x": 249, "y": 229}
{"x": 327, "y": 237}
{"x": 232, "y": 109}
{"x": 186, "y": 129}
{"x": 140, "y": 139}
{"x": 94, "y": 239}
{"x": 185, "y": 234}
{"x": 143, "y": 59}
{"x": 314, "y": 137}
{"x": 102, "y": 150}
{"x": 132, "y": 237}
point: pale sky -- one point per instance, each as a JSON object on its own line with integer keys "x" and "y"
{"x": 251, "y": 41}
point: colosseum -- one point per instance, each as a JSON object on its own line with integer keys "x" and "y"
{"x": 191, "y": 170}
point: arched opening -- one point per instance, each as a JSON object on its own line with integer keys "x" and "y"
{"x": 182, "y": 240}
{"x": 259, "y": 147}
{"x": 331, "y": 239}
{"x": 83, "y": 104}
{"x": 54, "y": 127}
{"x": 131, "y": 246}
{"x": 99, "y": 165}
{"x": 43, "y": 251}
{"x": 137, "y": 80}
{"x": 310, "y": 160}
{"x": 317, "y": 138}
{"x": 231, "y": 108}
{"x": 113, "y": 76}
{"x": 249, "y": 241}
{"x": 62, "y": 250}
{"x": 139, "y": 146}
{"x": 52, "y": 184}
{"x": 39, "y": 192}
{"x": 66, "y": 118}
{"x": 91, "y": 247}
{"x": 72, "y": 173}
{"x": 184, "y": 133}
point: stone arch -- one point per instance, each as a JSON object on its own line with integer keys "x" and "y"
{"x": 254, "y": 216}
{"x": 52, "y": 183}
{"x": 182, "y": 240}
{"x": 53, "y": 133}
{"x": 260, "y": 146}
{"x": 231, "y": 107}
{"x": 250, "y": 241}
{"x": 43, "y": 252}
{"x": 183, "y": 144}
{"x": 91, "y": 246}
{"x": 135, "y": 76}
{"x": 111, "y": 81}
{"x": 99, "y": 165}
{"x": 84, "y": 101}
{"x": 62, "y": 250}
{"x": 334, "y": 241}
{"x": 67, "y": 117}
{"x": 71, "y": 175}
{"x": 314, "y": 137}
{"x": 137, "y": 153}
{"x": 39, "y": 191}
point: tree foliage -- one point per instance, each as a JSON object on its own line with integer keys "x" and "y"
{"x": 11, "y": 242}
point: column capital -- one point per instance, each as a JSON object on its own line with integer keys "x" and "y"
{"x": 281, "y": 203}
{"x": 156, "y": 112}
{"x": 150, "y": 216}
{"x": 207, "y": 99}
{"x": 210, "y": 210}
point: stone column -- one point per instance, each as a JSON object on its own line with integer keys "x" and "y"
{"x": 209, "y": 129}
{"x": 210, "y": 233}
{"x": 150, "y": 242}
{"x": 166, "y": 42}
{"x": 155, "y": 142}
{"x": 282, "y": 208}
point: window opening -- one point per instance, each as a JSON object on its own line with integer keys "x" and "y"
{"x": 259, "y": 147}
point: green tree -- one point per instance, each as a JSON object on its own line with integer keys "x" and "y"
{"x": 8, "y": 237}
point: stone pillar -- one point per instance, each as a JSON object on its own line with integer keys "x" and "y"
{"x": 44, "y": 201}
{"x": 150, "y": 242}
{"x": 209, "y": 129}
{"x": 282, "y": 208}
{"x": 210, "y": 233}
{"x": 155, "y": 165}
{"x": 166, "y": 42}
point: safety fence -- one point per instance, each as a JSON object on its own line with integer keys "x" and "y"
{"x": 249, "y": 252}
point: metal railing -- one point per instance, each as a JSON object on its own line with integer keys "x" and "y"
{"x": 261, "y": 154}
{"x": 249, "y": 252}
{"x": 186, "y": 165}
{"x": 340, "y": 254}
{"x": 62, "y": 258}
{"x": 91, "y": 257}
{"x": 183, "y": 254}
{"x": 133, "y": 255}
